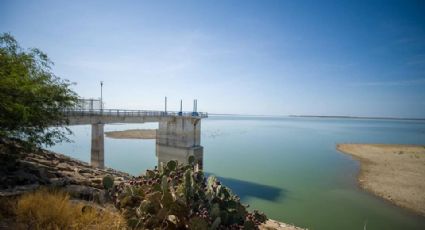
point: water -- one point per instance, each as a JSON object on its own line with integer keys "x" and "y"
{"x": 287, "y": 167}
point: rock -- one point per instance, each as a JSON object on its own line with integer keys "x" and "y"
{"x": 50, "y": 174}
{"x": 59, "y": 182}
{"x": 96, "y": 180}
{"x": 64, "y": 167}
{"x": 18, "y": 190}
{"x": 276, "y": 225}
{"x": 84, "y": 170}
{"x": 87, "y": 175}
{"x": 80, "y": 191}
{"x": 69, "y": 174}
{"x": 22, "y": 177}
{"x": 44, "y": 162}
{"x": 86, "y": 193}
{"x": 39, "y": 172}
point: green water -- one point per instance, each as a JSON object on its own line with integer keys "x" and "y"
{"x": 286, "y": 167}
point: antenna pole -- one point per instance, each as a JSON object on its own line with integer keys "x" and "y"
{"x": 101, "y": 96}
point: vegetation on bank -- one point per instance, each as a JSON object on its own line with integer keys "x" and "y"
{"x": 32, "y": 96}
{"x": 180, "y": 197}
{"x": 171, "y": 197}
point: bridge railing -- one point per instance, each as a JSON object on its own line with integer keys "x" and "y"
{"x": 132, "y": 113}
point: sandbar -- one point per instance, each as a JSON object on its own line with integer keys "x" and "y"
{"x": 132, "y": 134}
{"x": 393, "y": 172}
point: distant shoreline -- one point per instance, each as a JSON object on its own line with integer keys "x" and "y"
{"x": 393, "y": 172}
{"x": 355, "y": 117}
{"x": 317, "y": 116}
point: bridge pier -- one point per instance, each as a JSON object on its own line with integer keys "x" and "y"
{"x": 97, "y": 145}
{"x": 178, "y": 139}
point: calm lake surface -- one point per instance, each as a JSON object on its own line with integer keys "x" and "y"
{"x": 287, "y": 167}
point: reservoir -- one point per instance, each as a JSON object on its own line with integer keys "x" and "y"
{"x": 287, "y": 167}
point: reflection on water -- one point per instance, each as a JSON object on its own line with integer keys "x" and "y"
{"x": 287, "y": 167}
{"x": 180, "y": 154}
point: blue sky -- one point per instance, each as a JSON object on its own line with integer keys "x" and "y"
{"x": 358, "y": 58}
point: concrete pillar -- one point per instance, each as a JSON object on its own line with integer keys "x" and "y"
{"x": 179, "y": 138}
{"x": 97, "y": 146}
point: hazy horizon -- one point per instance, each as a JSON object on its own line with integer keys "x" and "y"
{"x": 314, "y": 115}
{"x": 327, "y": 58}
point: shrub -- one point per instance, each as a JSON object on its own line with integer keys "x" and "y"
{"x": 47, "y": 209}
{"x": 179, "y": 197}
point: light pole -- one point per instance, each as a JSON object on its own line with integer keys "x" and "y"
{"x": 101, "y": 96}
{"x": 165, "y": 104}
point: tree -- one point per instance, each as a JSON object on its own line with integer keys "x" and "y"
{"x": 32, "y": 98}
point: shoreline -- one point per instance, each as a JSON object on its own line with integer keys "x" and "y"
{"x": 392, "y": 172}
{"x": 40, "y": 168}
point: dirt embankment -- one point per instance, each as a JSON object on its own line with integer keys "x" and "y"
{"x": 394, "y": 172}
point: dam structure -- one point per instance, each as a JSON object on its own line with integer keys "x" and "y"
{"x": 178, "y": 136}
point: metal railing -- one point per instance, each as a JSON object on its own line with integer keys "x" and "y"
{"x": 132, "y": 113}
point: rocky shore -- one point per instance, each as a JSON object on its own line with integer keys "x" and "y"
{"x": 31, "y": 170}
{"x": 24, "y": 172}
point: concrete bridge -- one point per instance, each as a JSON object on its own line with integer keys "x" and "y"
{"x": 178, "y": 135}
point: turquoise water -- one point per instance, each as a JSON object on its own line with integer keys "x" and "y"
{"x": 287, "y": 167}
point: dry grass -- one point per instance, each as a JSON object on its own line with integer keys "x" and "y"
{"x": 46, "y": 209}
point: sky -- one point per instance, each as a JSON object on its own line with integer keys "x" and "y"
{"x": 347, "y": 58}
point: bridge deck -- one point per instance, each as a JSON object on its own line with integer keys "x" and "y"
{"x": 83, "y": 116}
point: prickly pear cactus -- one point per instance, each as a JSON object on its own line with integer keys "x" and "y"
{"x": 180, "y": 197}
{"x": 108, "y": 181}
{"x": 171, "y": 165}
